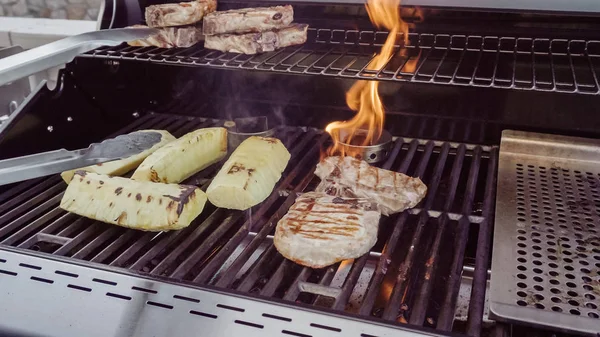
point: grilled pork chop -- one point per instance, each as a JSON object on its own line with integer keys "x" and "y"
{"x": 169, "y": 37}
{"x": 320, "y": 230}
{"x": 180, "y": 14}
{"x": 253, "y": 43}
{"x": 248, "y": 20}
{"x": 349, "y": 177}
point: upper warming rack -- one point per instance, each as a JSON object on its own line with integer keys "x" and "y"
{"x": 523, "y": 63}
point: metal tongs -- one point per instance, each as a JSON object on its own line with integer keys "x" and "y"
{"x": 63, "y": 51}
{"x": 47, "y": 163}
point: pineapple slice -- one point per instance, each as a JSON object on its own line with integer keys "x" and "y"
{"x": 250, "y": 174}
{"x": 140, "y": 205}
{"x": 180, "y": 159}
{"x": 122, "y": 166}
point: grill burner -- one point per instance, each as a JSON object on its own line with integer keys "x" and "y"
{"x": 240, "y": 129}
{"x": 414, "y": 271}
{"x": 372, "y": 153}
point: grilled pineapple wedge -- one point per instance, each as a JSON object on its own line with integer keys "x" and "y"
{"x": 179, "y": 160}
{"x": 122, "y": 166}
{"x": 140, "y": 205}
{"x": 250, "y": 174}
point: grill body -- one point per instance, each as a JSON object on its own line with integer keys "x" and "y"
{"x": 471, "y": 74}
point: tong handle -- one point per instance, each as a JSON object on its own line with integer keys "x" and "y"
{"x": 63, "y": 51}
{"x": 41, "y": 164}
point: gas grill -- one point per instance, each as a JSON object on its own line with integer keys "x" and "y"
{"x": 492, "y": 107}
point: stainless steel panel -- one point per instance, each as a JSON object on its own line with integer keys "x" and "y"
{"x": 12, "y": 94}
{"x": 62, "y": 51}
{"x": 546, "y": 253}
{"x": 53, "y": 298}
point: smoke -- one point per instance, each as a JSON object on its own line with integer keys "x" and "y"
{"x": 252, "y": 94}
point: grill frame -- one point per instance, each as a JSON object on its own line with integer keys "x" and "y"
{"x": 52, "y": 268}
{"x": 83, "y": 238}
{"x": 326, "y": 49}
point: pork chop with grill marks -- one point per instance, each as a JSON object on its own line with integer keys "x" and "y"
{"x": 320, "y": 230}
{"x": 179, "y": 14}
{"x": 254, "y": 43}
{"x": 349, "y": 177}
{"x": 170, "y": 37}
{"x": 248, "y": 20}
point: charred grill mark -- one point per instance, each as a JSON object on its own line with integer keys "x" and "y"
{"x": 187, "y": 193}
{"x": 327, "y": 211}
{"x": 138, "y": 197}
{"x": 110, "y": 204}
{"x": 313, "y": 236}
{"x": 128, "y": 195}
{"x": 101, "y": 182}
{"x": 235, "y": 168}
{"x": 118, "y": 190}
{"x": 149, "y": 199}
{"x": 323, "y": 234}
{"x": 324, "y": 221}
{"x": 154, "y": 176}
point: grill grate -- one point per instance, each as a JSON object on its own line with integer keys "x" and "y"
{"x": 523, "y": 63}
{"x": 233, "y": 250}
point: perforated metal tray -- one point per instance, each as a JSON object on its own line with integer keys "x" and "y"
{"x": 546, "y": 252}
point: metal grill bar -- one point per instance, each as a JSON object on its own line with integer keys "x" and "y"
{"x": 541, "y": 64}
{"x": 446, "y": 316}
{"x": 476, "y": 302}
{"x": 418, "y": 312}
{"x": 234, "y": 250}
{"x": 391, "y": 310}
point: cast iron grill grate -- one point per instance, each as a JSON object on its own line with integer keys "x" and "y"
{"x": 413, "y": 273}
{"x": 522, "y": 63}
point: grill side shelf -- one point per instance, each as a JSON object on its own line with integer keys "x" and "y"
{"x": 546, "y": 248}
{"x": 518, "y": 63}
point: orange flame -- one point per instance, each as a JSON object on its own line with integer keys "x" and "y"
{"x": 366, "y": 126}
